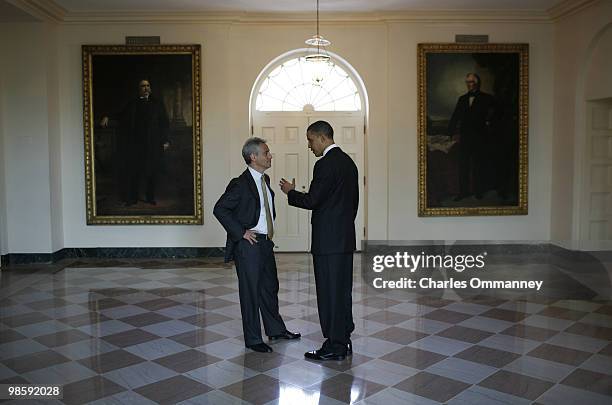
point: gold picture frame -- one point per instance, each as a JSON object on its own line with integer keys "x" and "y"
{"x": 142, "y": 128}
{"x": 473, "y": 115}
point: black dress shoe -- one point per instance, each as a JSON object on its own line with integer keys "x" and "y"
{"x": 261, "y": 348}
{"x": 349, "y": 348}
{"x": 285, "y": 335}
{"x": 322, "y": 356}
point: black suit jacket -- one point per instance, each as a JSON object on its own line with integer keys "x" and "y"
{"x": 238, "y": 209}
{"x": 143, "y": 130}
{"x": 333, "y": 198}
{"x": 474, "y": 121}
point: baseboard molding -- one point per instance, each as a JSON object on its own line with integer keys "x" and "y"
{"x": 112, "y": 253}
{"x": 581, "y": 255}
{"x": 557, "y": 254}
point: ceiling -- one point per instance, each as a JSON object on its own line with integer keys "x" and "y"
{"x": 302, "y": 5}
{"x": 10, "y": 13}
{"x": 108, "y": 11}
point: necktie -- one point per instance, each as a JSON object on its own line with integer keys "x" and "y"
{"x": 264, "y": 188}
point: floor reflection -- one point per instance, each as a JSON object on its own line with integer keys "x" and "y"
{"x": 169, "y": 331}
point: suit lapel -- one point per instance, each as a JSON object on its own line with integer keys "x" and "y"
{"x": 252, "y": 186}
{"x": 475, "y": 102}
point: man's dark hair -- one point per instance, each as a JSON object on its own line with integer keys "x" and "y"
{"x": 323, "y": 128}
{"x": 251, "y": 146}
{"x": 476, "y": 76}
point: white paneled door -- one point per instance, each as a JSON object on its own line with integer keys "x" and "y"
{"x": 285, "y": 133}
{"x": 597, "y": 195}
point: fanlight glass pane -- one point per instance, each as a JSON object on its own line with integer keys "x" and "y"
{"x": 297, "y": 83}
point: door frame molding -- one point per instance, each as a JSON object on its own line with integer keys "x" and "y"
{"x": 296, "y": 53}
{"x": 579, "y": 140}
{"x": 365, "y": 108}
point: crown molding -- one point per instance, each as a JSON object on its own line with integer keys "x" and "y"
{"x": 284, "y": 18}
{"x": 44, "y": 10}
{"x": 442, "y": 16}
{"x": 569, "y": 7}
{"x": 49, "y": 10}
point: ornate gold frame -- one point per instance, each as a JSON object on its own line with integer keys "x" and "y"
{"x": 92, "y": 217}
{"x": 521, "y": 208}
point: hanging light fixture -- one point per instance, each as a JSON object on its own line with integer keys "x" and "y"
{"x": 318, "y": 44}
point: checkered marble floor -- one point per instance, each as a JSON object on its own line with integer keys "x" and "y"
{"x": 169, "y": 331}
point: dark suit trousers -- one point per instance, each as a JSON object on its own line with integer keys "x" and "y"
{"x": 258, "y": 289}
{"x": 472, "y": 165}
{"x": 334, "y": 281}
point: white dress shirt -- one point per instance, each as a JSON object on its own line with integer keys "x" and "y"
{"x": 262, "y": 224}
{"x": 330, "y": 147}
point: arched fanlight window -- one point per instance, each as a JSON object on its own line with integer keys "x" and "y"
{"x": 299, "y": 85}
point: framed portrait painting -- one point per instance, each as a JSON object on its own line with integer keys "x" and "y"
{"x": 473, "y": 124}
{"x": 141, "y": 116}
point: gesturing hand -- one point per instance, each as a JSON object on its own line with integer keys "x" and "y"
{"x": 250, "y": 236}
{"x": 286, "y": 186}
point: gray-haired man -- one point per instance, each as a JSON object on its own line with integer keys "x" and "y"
{"x": 246, "y": 211}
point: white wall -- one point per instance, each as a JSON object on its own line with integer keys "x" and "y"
{"x": 215, "y": 128}
{"x": 404, "y": 223}
{"x": 576, "y": 37}
{"x": 3, "y": 232}
{"x": 54, "y": 94}
{"x": 254, "y": 46}
{"x": 233, "y": 56}
{"x": 384, "y": 54}
{"x": 26, "y": 142}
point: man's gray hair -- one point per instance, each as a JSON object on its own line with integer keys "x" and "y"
{"x": 251, "y": 146}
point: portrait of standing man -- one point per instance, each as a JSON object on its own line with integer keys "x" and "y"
{"x": 473, "y": 125}
{"x": 144, "y": 127}
{"x": 143, "y": 134}
{"x": 474, "y": 115}
{"x": 246, "y": 211}
{"x": 333, "y": 197}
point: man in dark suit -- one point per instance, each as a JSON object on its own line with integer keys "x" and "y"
{"x": 333, "y": 198}
{"x": 246, "y": 211}
{"x": 143, "y": 138}
{"x": 474, "y": 114}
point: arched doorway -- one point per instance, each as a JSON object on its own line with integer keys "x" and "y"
{"x": 290, "y": 94}
{"x": 593, "y": 205}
